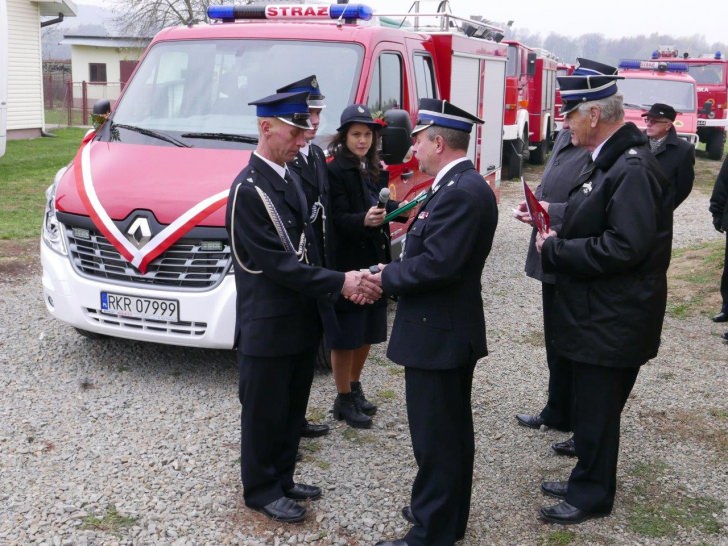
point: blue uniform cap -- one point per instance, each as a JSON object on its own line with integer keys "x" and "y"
{"x": 311, "y": 86}
{"x": 441, "y": 113}
{"x": 590, "y": 81}
{"x": 290, "y": 108}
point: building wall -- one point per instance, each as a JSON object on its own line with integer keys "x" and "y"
{"x": 25, "y": 81}
{"x": 82, "y": 56}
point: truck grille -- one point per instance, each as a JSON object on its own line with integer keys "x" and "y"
{"x": 192, "y": 329}
{"x": 184, "y": 265}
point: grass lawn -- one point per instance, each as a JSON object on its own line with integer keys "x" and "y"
{"x": 26, "y": 170}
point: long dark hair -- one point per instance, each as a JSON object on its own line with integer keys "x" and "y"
{"x": 337, "y": 147}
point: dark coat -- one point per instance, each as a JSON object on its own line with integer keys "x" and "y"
{"x": 676, "y": 156}
{"x": 440, "y": 322}
{"x": 315, "y": 183}
{"x": 565, "y": 163}
{"x": 278, "y": 309}
{"x": 719, "y": 199}
{"x": 611, "y": 257}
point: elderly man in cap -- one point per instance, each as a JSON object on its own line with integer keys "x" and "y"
{"x": 310, "y": 166}
{"x": 719, "y": 211}
{"x": 281, "y": 294}
{"x": 675, "y": 155}
{"x": 439, "y": 329}
{"x": 610, "y": 258}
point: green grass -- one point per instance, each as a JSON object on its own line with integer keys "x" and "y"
{"x": 387, "y": 394}
{"x": 558, "y": 538}
{"x": 693, "y": 279}
{"x": 111, "y": 522}
{"x": 26, "y": 170}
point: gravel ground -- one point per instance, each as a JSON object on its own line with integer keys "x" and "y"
{"x": 115, "y": 443}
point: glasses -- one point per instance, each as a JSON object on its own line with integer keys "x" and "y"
{"x": 652, "y": 121}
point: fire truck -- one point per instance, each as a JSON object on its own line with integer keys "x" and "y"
{"x": 710, "y": 71}
{"x": 648, "y": 82}
{"x": 529, "y": 116}
{"x": 562, "y": 69}
{"x": 133, "y": 241}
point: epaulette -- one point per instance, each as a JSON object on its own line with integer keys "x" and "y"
{"x": 633, "y": 157}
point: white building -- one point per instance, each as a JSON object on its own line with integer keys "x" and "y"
{"x": 25, "y": 115}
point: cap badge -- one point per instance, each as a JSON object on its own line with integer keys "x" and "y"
{"x": 360, "y": 110}
{"x": 586, "y": 187}
{"x": 632, "y": 151}
{"x": 314, "y": 83}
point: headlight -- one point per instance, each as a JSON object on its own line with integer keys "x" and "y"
{"x": 52, "y": 229}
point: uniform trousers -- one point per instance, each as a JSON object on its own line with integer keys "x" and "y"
{"x": 724, "y": 279}
{"x": 557, "y": 412}
{"x": 600, "y": 393}
{"x": 274, "y": 395}
{"x": 441, "y": 426}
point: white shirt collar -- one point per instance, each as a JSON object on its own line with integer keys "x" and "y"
{"x": 444, "y": 171}
{"x": 275, "y": 166}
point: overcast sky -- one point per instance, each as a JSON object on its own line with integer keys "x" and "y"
{"x": 612, "y": 18}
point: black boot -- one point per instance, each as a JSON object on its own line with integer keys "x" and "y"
{"x": 366, "y": 406}
{"x": 345, "y": 407}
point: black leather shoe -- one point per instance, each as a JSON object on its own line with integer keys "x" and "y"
{"x": 299, "y": 456}
{"x": 346, "y": 407}
{"x": 725, "y": 336}
{"x": 565, "y": 514}
{"x": 283, "y": 509}
{"x": 301, "y": 491}
{"x": 530, "y": 421}
{"x": 407, "y": 514}
{"x": 565, "y": 448}
{"x": 366, "y": 407}
{"x": 309, "y": 430}
{"x": 555, "y": 489}
{"x": 400, "y": 542}
{"x": 721, "y": 317}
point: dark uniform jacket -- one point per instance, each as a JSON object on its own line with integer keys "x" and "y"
{"x": 676, "y": 156}
{"x": 719, "y": 199}
{"x": 440, "y": 322}
{"x": 277, "y": 309}
{"x": 357, "y": 246}
{"x": 565, "y": 163}
{"x": 611, "y": 257}
{"x": 313, "y": 175}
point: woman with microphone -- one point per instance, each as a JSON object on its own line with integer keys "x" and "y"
{"x": 359, "y": 202}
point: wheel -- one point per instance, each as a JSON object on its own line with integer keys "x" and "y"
{"x": 514, "y": 158}
{"x": 323, "y": 359}
{"x": 714, "y": 145}
{"x": 538, "y": 155}
{"x": 89, "y": 335}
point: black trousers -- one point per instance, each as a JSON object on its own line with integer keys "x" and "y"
{"x": 724, "y": 279}
{"x": 441, "y": 426}
{"x": 599, "y": 397}
{"x": 557, "y": 412}
{"x": 274, "y": 394}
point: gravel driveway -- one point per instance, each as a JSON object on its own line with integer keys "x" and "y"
{"x": 115, "y": 442}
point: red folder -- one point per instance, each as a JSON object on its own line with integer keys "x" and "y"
{"x": 538, "y": 214}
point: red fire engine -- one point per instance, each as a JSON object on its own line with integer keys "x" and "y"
{"x": 133, "y": 241}
{"x": 710, "y": 71}
{"x": 529, "y": 116}
{"x": 562, "y": 69}
{"x": 648, "y": 82}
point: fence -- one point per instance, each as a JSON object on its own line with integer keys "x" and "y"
{"x": 68, "y": 103}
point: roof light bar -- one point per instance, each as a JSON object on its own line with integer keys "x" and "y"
{"x": 660, "y": 66}
{"x": 291, "y": 12}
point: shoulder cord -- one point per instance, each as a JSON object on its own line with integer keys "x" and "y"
{"x": 282, "y": 233}
{"x": 232, "y": 236}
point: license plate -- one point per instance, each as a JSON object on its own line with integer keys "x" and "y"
{"x": 138, "y": 307}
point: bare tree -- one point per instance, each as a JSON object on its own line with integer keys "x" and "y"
{"x": 147, "y": 17}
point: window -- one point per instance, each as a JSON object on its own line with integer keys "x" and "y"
{"x": 424, "y": 77}
{"x": 97, "y": 72}
{"x": 385, "y": 91}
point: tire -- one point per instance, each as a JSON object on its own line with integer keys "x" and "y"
{"x": 714, "y": 145}
{"x": 514, "y": 158}
{"x": 89, "y": 335}
{"x": 323, "y": 359}
{"x": 538, "y": 155}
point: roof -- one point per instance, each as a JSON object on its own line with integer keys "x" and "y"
{"x": 104, "y": 41}
{"x": 51, "y": 8}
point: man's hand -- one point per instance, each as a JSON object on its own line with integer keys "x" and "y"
{"x": 541, "y": 238}
{"x": 374, "y": 217}
{"x": 359, "y": 289}
{"x": 375, "y": 278}
{"x": 520, "y": 213}
{"x": 717, "y": 224}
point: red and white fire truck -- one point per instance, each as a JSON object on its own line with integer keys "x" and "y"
{"x": 133, "y": 241}
{"x": 562, "y": 69}
{"x": 648, "y": 82}
{"x": 710, "y": 71}
{"x": 529, "y": 117}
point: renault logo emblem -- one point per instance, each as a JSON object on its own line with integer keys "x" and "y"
{"x": 139, "y": 232}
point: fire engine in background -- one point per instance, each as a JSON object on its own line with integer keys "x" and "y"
{"x": 133, "y": 242}
{"x": 710, "y": 72}
{"x": 648, "y": 82}
{"x": 529, "y": 117}
{"x": 562, "y": 69}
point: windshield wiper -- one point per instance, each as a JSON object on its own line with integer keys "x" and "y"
{"x": 636, "y": 106}
{"x": 230, "y": 137}
{"x": 153, "y": 134}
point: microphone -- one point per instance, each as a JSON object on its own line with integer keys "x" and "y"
{"x": 383, "y": 198}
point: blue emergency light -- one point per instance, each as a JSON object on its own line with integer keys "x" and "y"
{"x": 660, "y": 66}
{"x": 291, "y": 12}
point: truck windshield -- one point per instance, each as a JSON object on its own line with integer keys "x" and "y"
{"x": 645, "y": 92}
{"x": 709, "y": 74}
{"x": 197, "y": 86}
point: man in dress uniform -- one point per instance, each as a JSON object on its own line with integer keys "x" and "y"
{"x": 281, "y": 292}
{"x": 310, "y": 166}
{"x": 439, "y": 329}
{"x": 675, "y": 155}
{"x": 719, "y": 211}
{"x": 610, "y": 258}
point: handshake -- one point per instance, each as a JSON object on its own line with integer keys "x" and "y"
{"x": 363, "y": 287}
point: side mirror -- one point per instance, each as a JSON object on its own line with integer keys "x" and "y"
{"x": 531, "y": 70}
{"x": 396, "y": 136}
{"x": 707, "y": 108}
{"x": 102, "y": 107}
